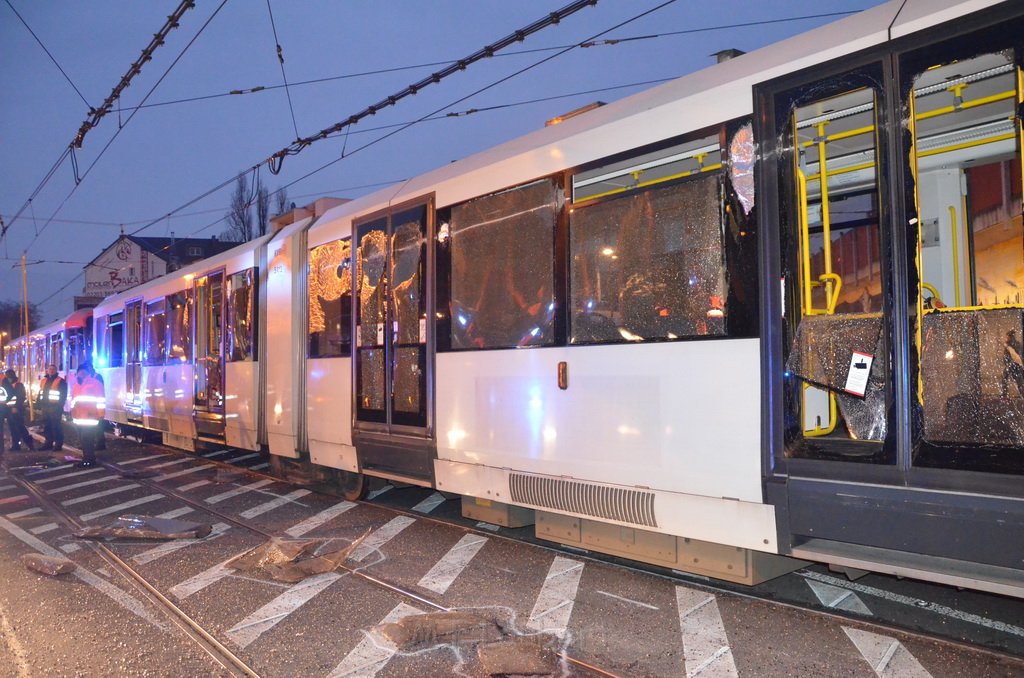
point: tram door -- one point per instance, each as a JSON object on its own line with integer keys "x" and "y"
{"x": 133, "y": 359}
{"x": 837, "y": 369}
{"x": 209, "y": 355}
{"x": 392, "y": 367}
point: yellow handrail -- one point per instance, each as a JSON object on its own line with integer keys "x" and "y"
{"x": 956, "y": 256}
{"x": 935, "y": 293}
{"x": 832, "y": 298}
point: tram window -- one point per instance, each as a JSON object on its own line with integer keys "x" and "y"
{"x": 648, "y": 265}
{"x": 99, "y": 356}
{"x": 675, "y": 162}
{"x": 115, "y": 340}
{"x": 241, "y": 315}
{"x": 155, "y": 333}
{"x": 179, "y": 327}
{"x": 968, "y": 192}
{"x": 330, "y": 299}
{"x": 502, "y": 268}
{"x": 56, "y": 350}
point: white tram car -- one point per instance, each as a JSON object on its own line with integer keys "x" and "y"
{"x": 768, "y": 309}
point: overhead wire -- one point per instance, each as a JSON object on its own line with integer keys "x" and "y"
{"x": 54, "y": 60}
{"x": 280, "y": 59}
{"x": 79, "y": 179}
{"x": 511, "y": 53}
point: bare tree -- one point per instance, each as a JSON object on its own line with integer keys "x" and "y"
{"x": 262, "y": 209}
{"x": 239, "y": 216}
{"x": 281, "y": 201}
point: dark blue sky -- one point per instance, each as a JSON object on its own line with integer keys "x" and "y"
{"x": 169, "y": 154}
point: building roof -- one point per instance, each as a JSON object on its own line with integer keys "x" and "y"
{"x": 182, "y": 250}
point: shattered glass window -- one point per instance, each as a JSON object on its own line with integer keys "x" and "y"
{"x": 968, "y": 186}
{"x": 502, "y": 268}
{"x": 648, "y": 265}
{"x": 155, "y": 333}
{"x": 973, "y": 377}
{"x": 408, "y": 270}
{"x": 179, "y": 322}
{"x": 330, "y": 299}
{"x": 241, "y": 316}
{"x": 371, "y": 319}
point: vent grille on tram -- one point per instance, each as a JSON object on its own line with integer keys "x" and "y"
{"x": 611, "y": 503}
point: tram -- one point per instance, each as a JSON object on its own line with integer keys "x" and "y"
{"x": 767, "y": 313}
{"x": 65, "y": 343}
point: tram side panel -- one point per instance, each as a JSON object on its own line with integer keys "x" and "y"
{"x": 285, "y": 333}
{"x": 241, "y": 352}
{"x": 329, "y": 346}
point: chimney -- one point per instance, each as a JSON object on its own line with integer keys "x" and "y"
{"x": 727, "y": 54}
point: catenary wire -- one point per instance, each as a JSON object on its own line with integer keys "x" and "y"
{"x": 284, "y": 78}
{"x": 55, "y": 63}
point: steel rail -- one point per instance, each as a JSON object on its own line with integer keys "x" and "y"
{"x": 191, "y": 628}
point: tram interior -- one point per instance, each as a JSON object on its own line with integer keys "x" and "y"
{"x": 967, "y": 166}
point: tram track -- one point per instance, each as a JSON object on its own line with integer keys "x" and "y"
{"x": 692, "y": 582}
{"x": 206, "y": 640}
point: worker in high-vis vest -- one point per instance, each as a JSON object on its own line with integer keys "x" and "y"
{"x": 53, "y": 392}
{"x": 88, "y": 407}
{"x": 17, "y": 411}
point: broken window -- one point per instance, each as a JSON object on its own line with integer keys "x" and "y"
{"x": 330, "y": 299}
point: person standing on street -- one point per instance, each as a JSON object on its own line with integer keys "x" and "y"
{"x": 53, "y": 392}
{"x": 5, "y": 388}
{"x": 101, "y": 438}
{"x": 88, "y": 406}
{"x": 17, "y": 409}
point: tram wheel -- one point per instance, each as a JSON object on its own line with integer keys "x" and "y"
{"x": 353, "y": 485}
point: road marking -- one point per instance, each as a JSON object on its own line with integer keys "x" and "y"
{"x": 176, "y": 474}
{"x": 120, "y": 507}
{"x": 200, "y": 581}
{"x": 376, "y": 493}
{"x": 26, "y": 512}
{"x": 628, "y": 600}
{"x": 214, "y": 574}
{"x": 140, "y": 460}
{"x": 313, "y": 522}
{"x": 259, "y": 467}
{"x": 489, "y": 526}
{"x": 211, "y": 455}
{"x": 268, "y": 616}
{"x": 48, "y": 527}
{"x": 70, "y": 548}
{"x": 84, "y": 483}
{"x": 381, "y": 536}
{"x": 705, "y": 646}
{"x": 116, "y": 594}
{"x": 917, "y": 603}
{"x": 369, "y": 656}
{"x": 65, "y": 476}
{"x": 242, "y": 458}
{"x": 162, "y": 550}
{"x": 274, "y": 503}
{"x": 173, "y": 462}
{"x": 430, "y": 503}
{"x": 838, "y": 598}
{"x": 58, "y": 467}
{"x": 176, "y": 513}
{"x": 192, "y": 486}
{"x": 97, "y": 495}
{"x": 217, "y": 498}
{"x": 887, "y": 656}
{"x": 17, "y": 649}
{"x": 4, "y": 488}
{"x": 444, "y": 573}
{"x": 553, "y": 608}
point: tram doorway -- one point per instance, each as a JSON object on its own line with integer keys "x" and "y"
{"x": 394, "y": 347}
{"x": 208, "y": 403}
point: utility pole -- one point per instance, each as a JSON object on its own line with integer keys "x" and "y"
{"x": 24, "y": 329}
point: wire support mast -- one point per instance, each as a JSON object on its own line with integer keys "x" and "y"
{"x": 96, "y": 114}
{"x": 277, "y": 159}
